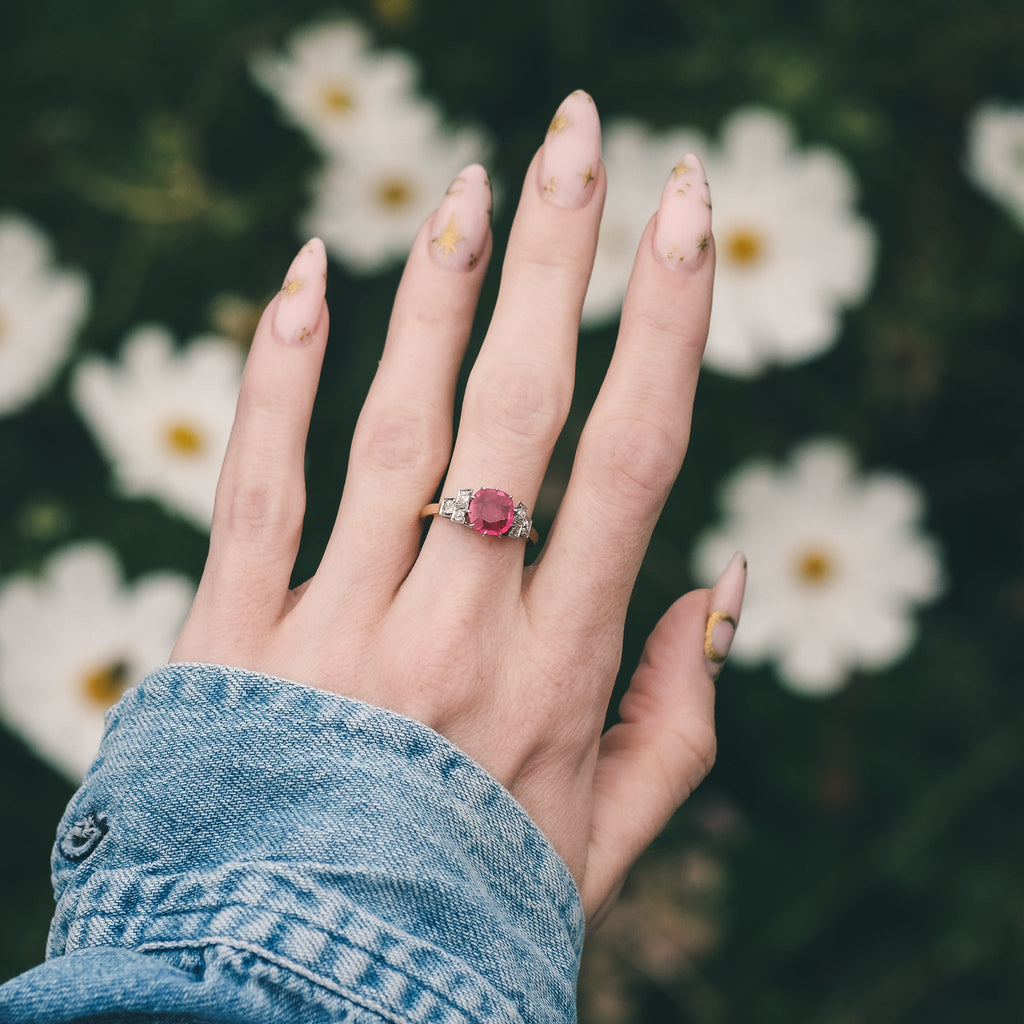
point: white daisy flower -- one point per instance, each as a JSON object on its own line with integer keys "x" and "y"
{"x": 332, "y": 86}
{"x": 837, "y": 565}
{"x": 41, "y": 308}
{"x": 637, "y": 161}
{"x": 368, "y": 209}
{"x": 791, "y": 251}
{"x": 995, "y": 155}
{"x": 163, "y": 416}
{"x": 72, "y": 640}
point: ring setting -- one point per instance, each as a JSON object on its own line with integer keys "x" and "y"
{"x": 487, "y": 510}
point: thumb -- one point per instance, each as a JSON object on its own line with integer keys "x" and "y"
{"x": 664, "y": 743}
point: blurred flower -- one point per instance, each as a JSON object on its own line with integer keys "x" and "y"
{"x": 791, "y": 253}
{"x": 669, "y": 916}
{"x": 332, "y": 86}
{"x": 368, "y": 210}
{"x": 235, "y": 317}
{"x": 72, "y": 640}
{"x": 995, "y": 155}
{"x": 837, "y": 565}
{"x": 163, "y": 416}
{"x": 41, "y": 308}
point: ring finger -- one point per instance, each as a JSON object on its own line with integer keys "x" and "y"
{"x": 518, "y": 394}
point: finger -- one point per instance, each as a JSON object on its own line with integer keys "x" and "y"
{"x": 257, "y": 519}
{"x": 633, "y": 443}
{"x": 519, "y": 391}
{"x": 664, "y": 743}
{"x": 402, "y": 441}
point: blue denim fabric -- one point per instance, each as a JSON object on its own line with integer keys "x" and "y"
{"x": 249, "y": 849}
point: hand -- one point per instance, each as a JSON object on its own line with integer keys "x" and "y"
{"x": 515, "y": 666}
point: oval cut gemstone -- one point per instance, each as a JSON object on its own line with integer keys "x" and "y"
{"x": 490, "y": 512}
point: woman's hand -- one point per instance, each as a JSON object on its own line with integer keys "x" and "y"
{"x": 515, "y": 666}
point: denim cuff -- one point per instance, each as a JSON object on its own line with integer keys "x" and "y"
{"x": 352, "y": 846}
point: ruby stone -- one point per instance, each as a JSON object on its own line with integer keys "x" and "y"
{"x": 490, "y": 512}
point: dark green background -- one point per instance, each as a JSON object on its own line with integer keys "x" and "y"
{"x": 877, "y": 871}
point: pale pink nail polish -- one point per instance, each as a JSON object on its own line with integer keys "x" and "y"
{"x": 682, "y": 234}
{"x": 571, "y": 155}
{"x": 301, "y": 297}
{"x": 459, "y": 229}
{"x": 726, "y": 602}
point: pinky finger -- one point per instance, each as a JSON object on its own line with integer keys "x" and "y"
{"x": 260, "y": 504}
{"x": 664, "y": 743}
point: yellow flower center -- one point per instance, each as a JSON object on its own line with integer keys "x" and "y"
{"x": 394, "y": 13}
{"x": 394, "y": 193}
{"x": 815, "y": 566}
{"x": 744, "y": 247}
{"x": 184, "y": 439}
{"x": 104, "y": 684}
{"x": 336, "y": 98}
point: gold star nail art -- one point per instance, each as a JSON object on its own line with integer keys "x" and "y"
{"x": 680, "y": 169}
{"x": 447, "y": 243}
{"x": 552, "y": 185}
{"x": 587, "y": 176}
{"x": 293, "y": 285}
{"x": 558, "y": 123}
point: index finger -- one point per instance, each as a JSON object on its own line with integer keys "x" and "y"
{"x": 633, "y": 444}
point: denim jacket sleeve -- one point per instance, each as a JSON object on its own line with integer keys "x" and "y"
{"x": 249, "y": 849}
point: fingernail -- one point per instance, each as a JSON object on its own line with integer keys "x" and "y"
{"x": 572, "y": 152}
{"x": 683, "y": 232}
{"x": 302, "y": 295}
{"x": 726, "y": 601}
{"x": 459, "y": 228}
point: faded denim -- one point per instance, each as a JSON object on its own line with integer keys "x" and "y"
{"x": 249, "y": 849}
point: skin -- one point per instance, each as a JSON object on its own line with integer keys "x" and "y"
{"x": 515, "y": 666}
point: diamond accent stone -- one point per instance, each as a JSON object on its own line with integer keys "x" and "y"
{"x": 521, "y": 524}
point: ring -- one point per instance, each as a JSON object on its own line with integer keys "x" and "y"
{"x": 488, "y": 511}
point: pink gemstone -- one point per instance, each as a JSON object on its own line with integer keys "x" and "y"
{"x": 490, "y": 512}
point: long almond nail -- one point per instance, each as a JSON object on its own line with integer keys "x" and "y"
{"x": 302, "y": 295}
{"x": 459, "y": 228}
{"x": 726, "y": 601}
{"x": 683, "y": 232}
{"x": 571, "y": 154}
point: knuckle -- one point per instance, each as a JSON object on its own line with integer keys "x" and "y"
{"x": 699, "y": 742}
{"x": 636, "y": 459}
{"x": 521, "y": 404}
{"x": 260, "y": 509}
{"x": 398, "y": 440}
